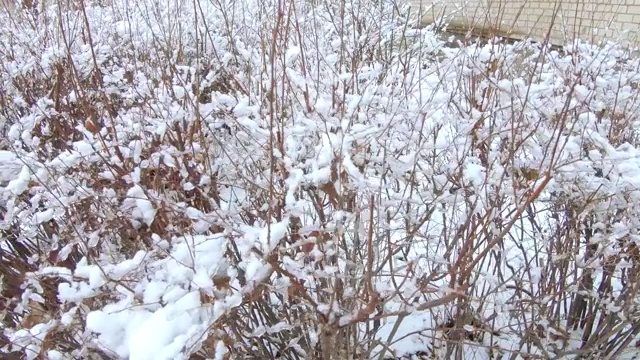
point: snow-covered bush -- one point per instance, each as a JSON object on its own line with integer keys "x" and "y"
{"x": 311, "y": 179}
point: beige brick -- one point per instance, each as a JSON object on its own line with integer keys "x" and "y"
{"x": 625, "y": 18}
{"x": 620, "y": 9}
{"x": 575, "y": 17}
{"x": 627, "y": 26}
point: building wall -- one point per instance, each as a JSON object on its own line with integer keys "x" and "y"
{"x": 593, "y": 20}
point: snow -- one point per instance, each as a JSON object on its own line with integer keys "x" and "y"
{"x": 255, "y": 238}
{"x": 19, "y": 184}
{"x": 270, "y": 236}
{"x": 145, "y": 209}
{"x": 160, "y": 332}
{"x": 10, "y": 166}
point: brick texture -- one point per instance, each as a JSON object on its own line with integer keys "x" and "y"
{"x": 563, "y": 20}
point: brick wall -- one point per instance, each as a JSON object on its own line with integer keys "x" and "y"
{"x": 593, "y": 20}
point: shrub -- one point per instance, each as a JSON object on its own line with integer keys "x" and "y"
{"x": 304, "y": 179}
